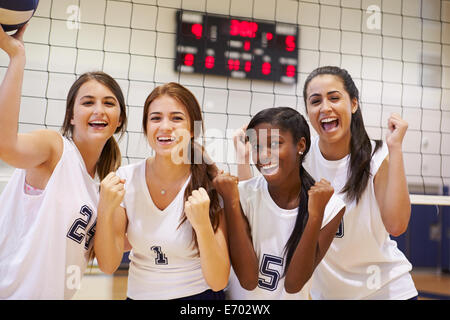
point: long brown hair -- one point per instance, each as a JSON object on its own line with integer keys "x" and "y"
{"x": 110, "y": 158}
{"x": 203, "y": 171}
{"x": 360, "y": 146}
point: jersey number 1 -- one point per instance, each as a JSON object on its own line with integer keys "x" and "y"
{"x": 160, "y": 256}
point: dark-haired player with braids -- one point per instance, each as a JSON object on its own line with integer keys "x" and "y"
{"x": 280, "y": 223}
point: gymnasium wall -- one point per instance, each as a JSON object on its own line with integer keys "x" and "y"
{"x": 397, "y": 51}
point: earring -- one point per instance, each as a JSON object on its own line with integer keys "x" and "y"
{"x": 300, "y": 153}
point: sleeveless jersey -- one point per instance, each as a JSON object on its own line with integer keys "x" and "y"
{"x": 46, "y": 239}
{"x": 164, "y": 263}
{"x": 363, "y": 263}
{"x": 271, "y": 227}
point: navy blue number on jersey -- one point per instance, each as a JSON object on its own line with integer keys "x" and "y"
{"x": 160, "y": 256}
{"x": 340, "y": 231}
{"x": 77, "y": 231}
{"x": 273, "y": 275}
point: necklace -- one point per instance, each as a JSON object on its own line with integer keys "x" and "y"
{"x": 164, "y": 191}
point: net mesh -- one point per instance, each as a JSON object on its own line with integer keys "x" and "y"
{"x": 396, "y": 51}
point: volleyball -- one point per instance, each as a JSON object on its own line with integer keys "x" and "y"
{"x": 15, "y": 13}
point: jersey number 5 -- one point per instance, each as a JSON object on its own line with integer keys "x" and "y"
{"x": 272, "y": 275}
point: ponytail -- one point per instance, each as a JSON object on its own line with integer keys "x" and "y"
{"x": 302, "y": 216}
{"x": 360, "y": 158}
{"x": 360, "y": 146}
{"x": 203, "y": 171}
{"x": 291, "y": 120}
{"x": 110, "y": 158}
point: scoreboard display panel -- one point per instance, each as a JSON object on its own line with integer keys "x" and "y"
{"x": 236, "y": 47}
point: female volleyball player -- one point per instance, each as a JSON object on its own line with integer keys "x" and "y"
{"x": 362, "y": 262}
{"x": 167, "y": 208}
{"x": 282, "y": 222}
{"x": 48, "y": 208}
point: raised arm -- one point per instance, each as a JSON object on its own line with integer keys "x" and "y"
{"x": 111, "y": 224}
{"x": 242, "y": 149}
{"x": 20, "y": 150}
{"x": 212, "y": 245}
{"x": 391, "y": 187}
{"x": 243, "y": 257}
{"x": 315, "y": 241}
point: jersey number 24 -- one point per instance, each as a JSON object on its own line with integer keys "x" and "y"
{"x": 77, "y": 231}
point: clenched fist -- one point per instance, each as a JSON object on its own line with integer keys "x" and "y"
{"x": 112, "y": 192}
{"x": 241, "y": 146}
{"x": 197, "y": 209}
{"x": 397, "y": 129}
{"x": 227, "y": 186}
{"x": 319, "y": 195}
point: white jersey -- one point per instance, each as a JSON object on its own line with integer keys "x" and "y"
{"x": 164, "y": 263}
{"x": 364, "y": 263}
{"x": 271, "y": 227}
{"x": 46, "y": 239}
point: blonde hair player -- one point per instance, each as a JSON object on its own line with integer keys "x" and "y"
{"x": 362, "y": 261}
{"x": 170, "y": 212}
{"x": 48, "y": 208}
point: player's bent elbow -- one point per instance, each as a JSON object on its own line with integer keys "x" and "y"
{"x": 218, "y": 286}
{"x": 249, "y": 284}
{"x": 398, "y": 228}
{"x": 107, "y": 268}
{"x": 5, "y": 150}
{"x": 293, "y": 287}
{"x": 397, "y": 231}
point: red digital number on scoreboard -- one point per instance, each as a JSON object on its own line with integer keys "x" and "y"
{"x": 243, "y": 28}
{"x": 197, "y": 30}
{"x": 235, "y": 47}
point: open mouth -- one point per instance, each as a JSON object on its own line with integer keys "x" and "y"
{"x": 269, "y": 169}
{"x": 329, "y": 124}
{"x": 98, "y": 124}
{"x": 165, "y": 139}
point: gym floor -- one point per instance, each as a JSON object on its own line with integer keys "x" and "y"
{"x": 431, "y": 284}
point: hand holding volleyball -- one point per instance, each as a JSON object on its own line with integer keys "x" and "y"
{"x": 112, "y": 191}
{"x": 319, "y": 195}
{"x": 13, "y": 45}
{"x": 197, "y": 209}
{"x": 396, "y": 131}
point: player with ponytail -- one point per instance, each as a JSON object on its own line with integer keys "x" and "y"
{"x": 48, "y": 209}
{"x": 281, "y": 222}
{"x": 363, "y": 262}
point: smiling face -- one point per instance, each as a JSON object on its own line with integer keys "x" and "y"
{"x": 96, "y": 113}
{"x": 275, "y": 152}
{"x": 168, "y": 125}
{"x": 330, "y": 109}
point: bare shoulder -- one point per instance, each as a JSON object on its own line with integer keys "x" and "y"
{"x": 382, "y": 171}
